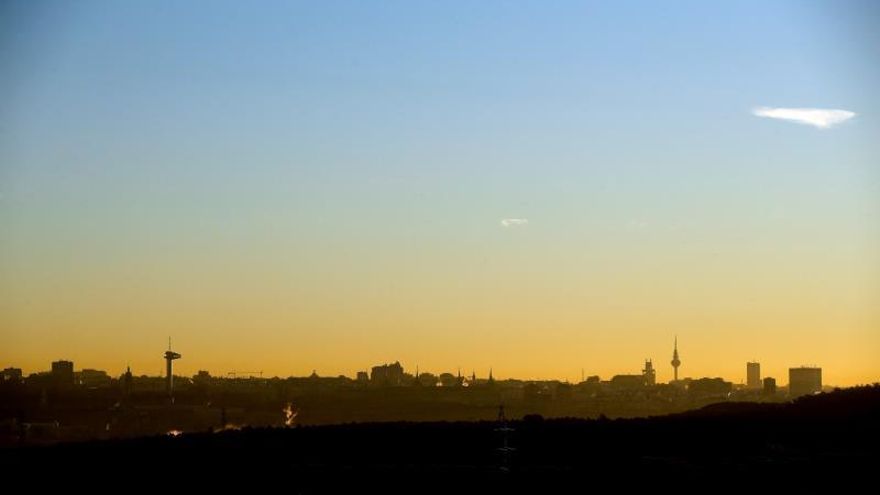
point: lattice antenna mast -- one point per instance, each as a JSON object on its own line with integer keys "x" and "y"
{"x": 505, "y": 430}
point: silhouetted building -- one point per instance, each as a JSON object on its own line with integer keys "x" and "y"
{"x": 649, "y": 374}
{"x": 769, "y": 386}
{"x": 804, "y": 380}
{"x": 90, "y": 378}
{"x": 628, "y": 382}
{"x": 710, "y": 386}
{"x": 449, "y": 380}
{"x": 563, "y": 392}
{"x": 753, "y": 375}
{"x": 12, "y": 375}
{"x": 675, "y": 361}
{"x": 62, "y": 373}
{"x": 363, "y": 377}
{"x": 387, "y": 375}
{"x": 41, "y": 380}
{"x": 534, "y": 393}
{"x": 202, "y": 378}
{"x": 425, "y": 379}
{"x": 127, "y": 380}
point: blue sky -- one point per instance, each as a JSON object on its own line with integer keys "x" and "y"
{"x": 171, "y": 133}
{"x": 497, "y": 106}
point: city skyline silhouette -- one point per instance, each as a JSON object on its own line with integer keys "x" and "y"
{"x": 675, "y": 364}
{"x": 538, "y": 188}
{"x": 451, "y": 247}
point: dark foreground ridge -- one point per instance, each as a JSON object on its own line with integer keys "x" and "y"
{"x": 829, "y": 438}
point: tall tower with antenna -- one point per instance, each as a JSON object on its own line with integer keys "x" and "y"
{"x": 675, "y": 361}
{"x": 170, "y": 356}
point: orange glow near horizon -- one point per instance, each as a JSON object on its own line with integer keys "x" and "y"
{"x": 318, "y": 186}
{"x": 525, "y": 322}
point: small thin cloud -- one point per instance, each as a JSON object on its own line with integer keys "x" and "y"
{"x": 823, "y": 118}
{"x": 637, "y": 225}
{"x": 514, "y": 222}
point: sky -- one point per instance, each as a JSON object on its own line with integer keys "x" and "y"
{"x": 536, "y": 187}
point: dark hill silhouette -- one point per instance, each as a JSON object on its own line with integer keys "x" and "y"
{"x": 830, "y": 437}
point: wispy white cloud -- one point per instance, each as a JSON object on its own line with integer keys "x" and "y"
{"x": 514, "y": 222}
{"x": 822, "y": 118}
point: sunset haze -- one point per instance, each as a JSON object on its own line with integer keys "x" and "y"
{"x": 535, "y": 188}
